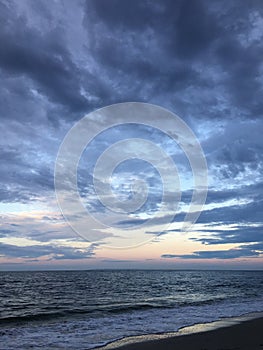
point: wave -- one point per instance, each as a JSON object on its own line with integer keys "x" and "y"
{"x": 100, "y": 311}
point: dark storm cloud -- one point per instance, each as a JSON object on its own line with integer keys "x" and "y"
{"x": 22, "y": 179}
{"x": 6, "y": 232}
{"x": 187, "y": 28}
{"x": 39, "y": 229}
{"x": 251, "y": 212}
{"x": 37, "y": 251}
{"x": 246, "y": 250}
{"x": 195, "y": 28}
{"x": 237, "y": 234}
{"x": 236, "y": 152}
{"x": 117, "y": 261}
{"x": 131, "y": 222}
{"x": 181, "y": 32}
{"x": 140, "y": 51}
{"x": 243, "y": 67}
{"x": 8, "y": 195}
{"x": 247, "y": 206}
{"x": 42, "y": 58}
{"x": 216, "y": 254}
{"x": 243, "y": 192}
{"x": 135, "y": 49}
{"x": 246, "y": 217}
{"x": 183, "y": 35}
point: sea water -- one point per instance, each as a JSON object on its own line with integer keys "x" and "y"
{"x": 87, "y": 309}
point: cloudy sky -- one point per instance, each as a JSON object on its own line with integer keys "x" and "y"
{"x": 61, "y": 61}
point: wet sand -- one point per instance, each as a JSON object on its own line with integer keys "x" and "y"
{"x": 244, "y": 335}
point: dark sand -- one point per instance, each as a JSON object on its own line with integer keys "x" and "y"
{"x": 247, "y": 335}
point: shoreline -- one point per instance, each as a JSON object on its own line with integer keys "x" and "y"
{"x": 238, "y": 332}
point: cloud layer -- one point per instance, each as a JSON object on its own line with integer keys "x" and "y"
{"x": 200, "y": 59}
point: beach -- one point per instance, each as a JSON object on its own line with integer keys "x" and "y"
{"x": 246, "y": 335}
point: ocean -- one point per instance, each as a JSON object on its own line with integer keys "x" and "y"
{"x": 87, "y": 309}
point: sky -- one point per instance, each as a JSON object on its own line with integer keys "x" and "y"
{"x": 64, "y": 62}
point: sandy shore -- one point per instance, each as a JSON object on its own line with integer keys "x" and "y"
{"x": 232, "y": 334}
